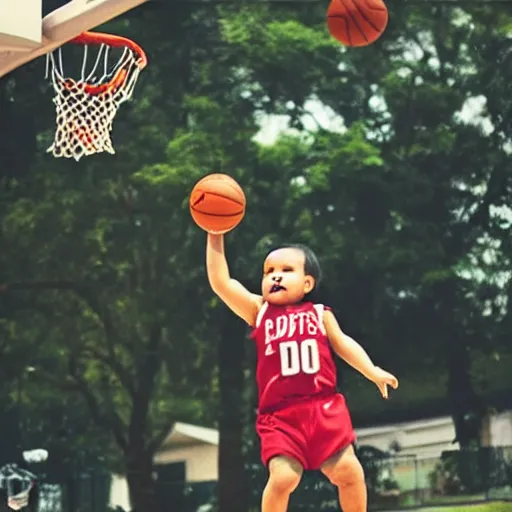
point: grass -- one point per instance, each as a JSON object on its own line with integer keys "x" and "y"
{"x": 485, "y": 507}
{"x": 460, "y": 498}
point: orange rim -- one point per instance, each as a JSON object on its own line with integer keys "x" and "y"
{"x": 98, "y": 38}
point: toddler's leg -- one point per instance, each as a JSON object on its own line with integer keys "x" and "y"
{"x": 346, "y": 473}
{"x": 284, "y": 477}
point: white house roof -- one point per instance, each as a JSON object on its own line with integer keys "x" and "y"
{"x": 187, "y": 434}
{"x": 409, "y": 426}
{"x": 424, "y": 438}
{"x": 184, "y": 433}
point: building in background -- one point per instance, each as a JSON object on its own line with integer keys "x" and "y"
{"x": 189, "y": 454}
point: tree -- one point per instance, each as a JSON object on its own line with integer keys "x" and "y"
{"x": 121, "y": 334}
{"x": 104, "y": 260}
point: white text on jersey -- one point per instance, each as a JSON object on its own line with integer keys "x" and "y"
{"x": 285, "y": 326}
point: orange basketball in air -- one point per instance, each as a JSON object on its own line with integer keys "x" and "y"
{"x": 217, "y": 203}
{"x": 357, "y": 22}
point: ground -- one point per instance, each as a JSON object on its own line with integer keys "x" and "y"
{"x": 486, "y": 507}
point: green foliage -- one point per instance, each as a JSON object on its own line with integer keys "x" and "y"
{"x": 106, "y": 300}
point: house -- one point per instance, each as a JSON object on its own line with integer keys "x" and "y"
{"x": 197, "y": 446}
{"x": 417, "y": 446}
{"x": 421, "y": 438}
{"x": 191, "y": 448}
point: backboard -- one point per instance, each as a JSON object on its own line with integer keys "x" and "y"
{"x": 25, "y": 35}
{"x": 20, "y": 24}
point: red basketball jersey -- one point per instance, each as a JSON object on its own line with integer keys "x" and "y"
{"x": 294, "y": 356}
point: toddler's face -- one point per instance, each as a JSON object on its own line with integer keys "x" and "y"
{"x": 284, "y": 278}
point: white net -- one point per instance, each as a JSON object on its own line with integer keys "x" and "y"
{"x": 85, "y": 108}
{"x": 18, "y": 482}
{"x": 20, "y": 500}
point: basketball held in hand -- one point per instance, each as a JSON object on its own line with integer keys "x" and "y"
{"x": 357, "y": 22}
{"x": 217, "y": 203}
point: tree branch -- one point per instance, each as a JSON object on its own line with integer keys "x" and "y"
{"x": 150, "y": 363}
{"x": 111, "y": 420}
{"x": 496, "y": 187}
{"x": 156, "y": 441}
{"x": 84, "y": 293}
{"x": 146, "y": 373}
{"x": 75, "y": 383}
{"x": 111, "y": 361}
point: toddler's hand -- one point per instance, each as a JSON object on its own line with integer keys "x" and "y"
{"x": 384, "y": 379}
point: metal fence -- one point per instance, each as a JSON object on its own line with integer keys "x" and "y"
{"x": 457, "y": 477}
{"x": 394, "y": 482}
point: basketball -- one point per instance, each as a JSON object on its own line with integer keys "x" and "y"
{"x": 217, "y": 203}
{"x": 357, "y": 22}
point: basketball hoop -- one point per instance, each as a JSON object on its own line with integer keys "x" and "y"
{"x": 85, "y": 108}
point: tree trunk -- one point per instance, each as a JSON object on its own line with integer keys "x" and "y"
{"x": 141, "y": 485}
{"x": 466, "y": 407}
{"x": 232, "y": 486}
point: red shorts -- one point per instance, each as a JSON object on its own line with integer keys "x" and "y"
{"x": 310, "y": 432}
